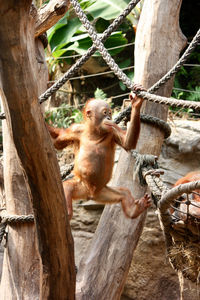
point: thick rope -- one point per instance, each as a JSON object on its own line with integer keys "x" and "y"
{"x": 166, "y": 77}
{"x": 146, "y": 167}
{"x": 162, "y": 125}
{"x": 175, "y": 192}
{"x": 66, "y": 172}
{"x": 155, "y": 184}
{"x": 169, "y": 101}
{"x": 143, "y": 162}
{"x": 89, "y": 53}
{"x": 12, "y": 219}
{"x": 164, "y": 205}
{"x": 2, "y": 231}
{"x": 118, "y": 72}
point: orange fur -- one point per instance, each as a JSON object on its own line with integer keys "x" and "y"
{"x": 192, "y": 176}
{"x": 95, "y": 140}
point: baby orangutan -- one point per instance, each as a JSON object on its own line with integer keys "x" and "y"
{"x": 94, "y": 142}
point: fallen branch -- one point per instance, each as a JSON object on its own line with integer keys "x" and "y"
{"x": 50, "y": 14}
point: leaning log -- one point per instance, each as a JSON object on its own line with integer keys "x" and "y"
{"x": 19, "y": 76}
{"x": 21, "y": 258}
{"x": 23, "y": 263}
{"x": 49, "y": 14}
{"x": 104, "y": 268}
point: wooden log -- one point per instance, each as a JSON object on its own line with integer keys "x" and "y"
{"x": 24, "y": 262}
{"x": 19, "y": 76}
{"x": 104, "y": 268}
{"x": 21, "y": 259}
{"x": 49, "y": 14}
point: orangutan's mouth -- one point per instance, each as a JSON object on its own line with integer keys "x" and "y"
{"x": 108, "y": 124}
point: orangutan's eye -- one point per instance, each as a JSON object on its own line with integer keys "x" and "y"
{"x": 104, "y": 112}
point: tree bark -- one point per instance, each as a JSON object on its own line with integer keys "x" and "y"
{"x": 49, "y": 14}
{"x": 103, "y": 270}
{"x": 23, "y": 263}
{"x": 19, "y": 76}
{"x": 20, "y": 273}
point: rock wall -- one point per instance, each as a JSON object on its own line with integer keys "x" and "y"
{"x": 181, "y": 151}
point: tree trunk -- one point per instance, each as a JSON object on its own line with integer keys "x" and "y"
{"x": 24, "y": 262}
{"x": 19, "y": 81}
{"x": 103, "y": 270}
{"x": 20, "y": 274}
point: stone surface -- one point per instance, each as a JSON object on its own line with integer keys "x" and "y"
{"x": 181, "y": 151}
{"x": 83, "y": 219}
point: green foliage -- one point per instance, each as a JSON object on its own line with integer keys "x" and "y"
{"x": 68, "y": 36}
{"x": 107, "y": 9}
{"x": 129, "y": 73}
{"x": 195, "y": 96}
{"x": 187, "y": 82}
{"x": 63, "y": 116}
{"x": 99, "y": 94}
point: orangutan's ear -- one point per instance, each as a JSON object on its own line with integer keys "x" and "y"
{"x": 88, "y": 113}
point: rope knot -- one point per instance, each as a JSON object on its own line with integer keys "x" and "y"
{"x": 144, "y": 161}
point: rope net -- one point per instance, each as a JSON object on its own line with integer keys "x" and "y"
{"x": 179, "y": 215}
{"x": 98, "y": 44}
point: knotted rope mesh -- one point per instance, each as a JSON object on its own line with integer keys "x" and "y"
{"x": 179, "y": 217}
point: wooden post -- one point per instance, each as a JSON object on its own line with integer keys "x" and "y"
{"x": 103, "y": 270}
{"x": 21, "y": 257}
{"x": 19, "y": 76}
{"x": 20, "y": 273}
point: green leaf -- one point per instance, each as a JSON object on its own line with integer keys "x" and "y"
{"x": 81, "y": 46}
{"x": 85, "y": 3}
{"x": 99, "y": 94}
{"x": 62, "y": 22}
{"x": 116, "y": 39}
{"x": 63, "y": 35}
{"x": 101, "y": 25}
{"x": 196, "y": 95}
{"x": 107, "y": 9}
{"x": 125, "y": 63}
{"x": 59, "y": 53}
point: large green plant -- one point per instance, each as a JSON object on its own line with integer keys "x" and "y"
{"x": 69, "y": 37}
